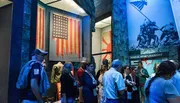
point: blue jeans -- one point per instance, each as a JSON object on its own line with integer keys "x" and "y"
{"x": 29, "y": 101}
{"x": 112, "y": 101}
{"x": 69, "y": 100}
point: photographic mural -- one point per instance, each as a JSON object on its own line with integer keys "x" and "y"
{"x": 151, "y": 24}
{"x": 176, "y": 7}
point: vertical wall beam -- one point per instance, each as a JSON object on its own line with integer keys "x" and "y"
{"x": 120, "y": 31}
{"x": 22, "y": 41}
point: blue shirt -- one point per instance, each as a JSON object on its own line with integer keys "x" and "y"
{"x": 160, "y": 90}
{"x": 112, "y": 83}
{"x": 34, "y": 73}
{"x": 176, "y": 81}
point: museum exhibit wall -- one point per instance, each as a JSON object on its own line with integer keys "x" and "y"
{"x": 98, "y": 45}
{"x": 152, "y": 32}
{"x": 60, "y": 47}
{"x": 106, "y": 44}
{"x": 5, "y": 35}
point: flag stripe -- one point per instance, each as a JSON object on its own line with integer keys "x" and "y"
{"x": 37, "y": 30}
{"x": 75, "y": 36}
{"x": 40, "y": 35}
{"x": 57, "y": 47}
{"x": 70, "y": 36}
{"x": 111, "y": 44}
{"x": 78, "y": 39}
{"x": 42, "y": 29}
{"x": 68, "y": 40}
{"x": 62, "y": 47}
{"x": 67, "y": 46}
{"x": 59, "y": 52}
{"x": 139, "y": 4}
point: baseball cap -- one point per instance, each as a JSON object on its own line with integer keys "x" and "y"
{"x": 39, "y": 52}
{"x": 116, "y": 63}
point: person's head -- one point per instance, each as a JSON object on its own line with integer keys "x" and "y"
{"x": 103, "y": 69}
{"x": 127, "y": 69}
{"x": 140, "y": 64}
{"x": 133, "y": 71}
{"x": 68, "y": 67}
{"x": 44, "y": 63}
{"x": 83, "y": 64}
{"x": 166, "y": 70}
{"x": 105, "y": 62}
{"x": 117, "y": 64}
{"x": 90, "y": 67}
{"x": 176, "y": 63}
{"x": 39, "y": 55}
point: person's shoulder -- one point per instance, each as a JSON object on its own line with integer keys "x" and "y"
{"x": 177, "y": 74}
{"x": 36, "y": 64}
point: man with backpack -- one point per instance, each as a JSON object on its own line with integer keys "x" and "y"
{"x": 33, "y": 81}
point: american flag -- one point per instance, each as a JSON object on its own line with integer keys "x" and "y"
{"x": 66, "y": 33}
{"x": 40, "y": 29}
{"x": 139, "y": 4}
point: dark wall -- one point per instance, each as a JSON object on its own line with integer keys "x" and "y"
{"x": 5, "y": 32}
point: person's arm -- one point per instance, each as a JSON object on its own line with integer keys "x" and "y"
{"x": 145, "y": 73}
{"x": 35, "y": 90}
{"x": 171, "y": 93}
{"x": 52, "y": 75}
{"x": 119, "y": 81}
{"x": 35, "y": 78}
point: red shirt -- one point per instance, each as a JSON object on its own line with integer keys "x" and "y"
{"x": 80, "y": 73}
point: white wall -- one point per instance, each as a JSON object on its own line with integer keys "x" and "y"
{"x": 5, "y": 40}
{"x": 96, "y": 41}
{"x": 96, "y": 45}
{"x": 105, "y": 29}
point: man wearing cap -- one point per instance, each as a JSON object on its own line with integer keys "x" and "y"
{"x": 32, "y": 81}
{"x": 114, "y": 85}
